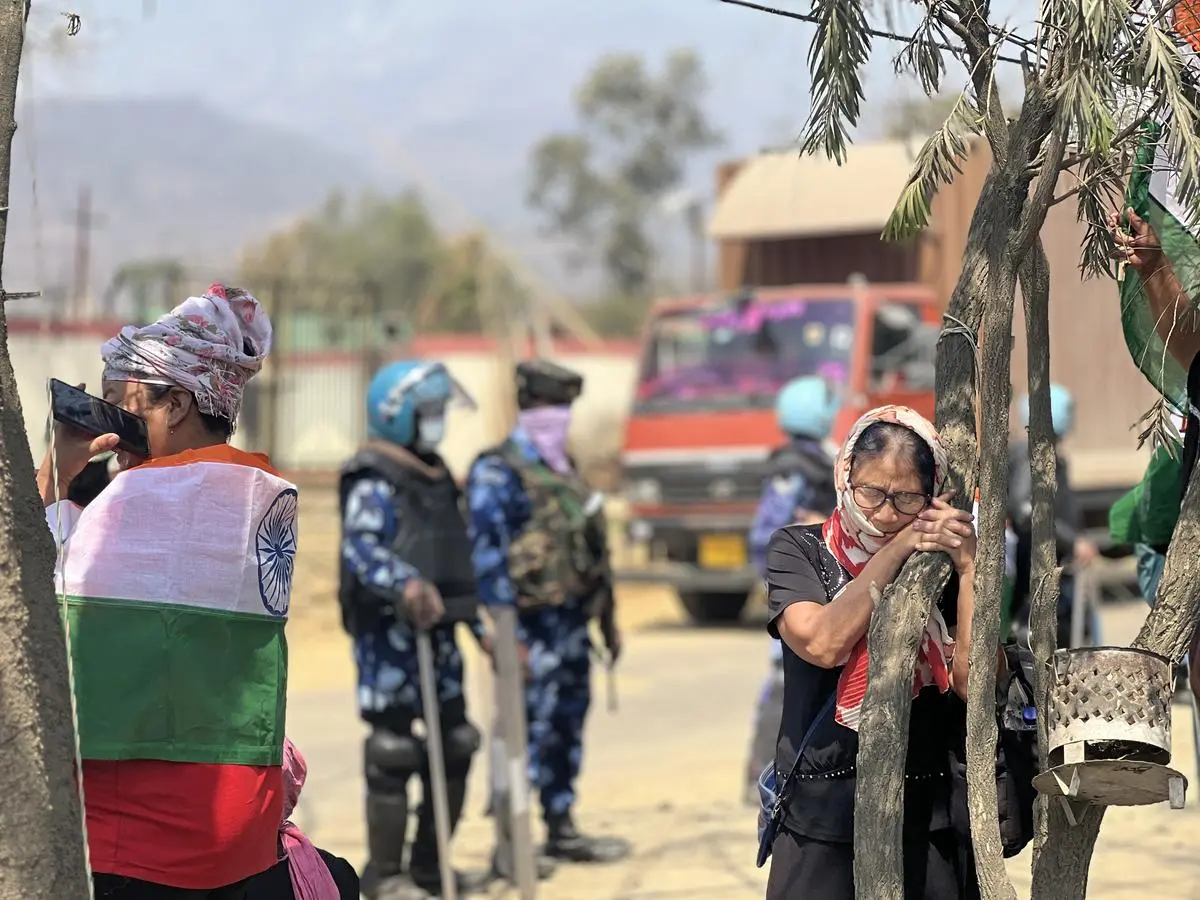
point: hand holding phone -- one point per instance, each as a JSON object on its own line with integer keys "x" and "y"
{"x": 95, "y": 417}
{"x": 84, "y": 427}
{"x": 73, "y": 450}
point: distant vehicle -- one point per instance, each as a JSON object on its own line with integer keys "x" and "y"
{"x": 703, "y": 423}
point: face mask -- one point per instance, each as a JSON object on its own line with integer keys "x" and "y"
{"x": 430, "y": 431}
{"x": 546, "y": 427}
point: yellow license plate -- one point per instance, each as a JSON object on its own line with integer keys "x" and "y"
{"x": 722, "y": 551}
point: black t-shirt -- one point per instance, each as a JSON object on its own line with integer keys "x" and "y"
{"x": 821, "y": 805}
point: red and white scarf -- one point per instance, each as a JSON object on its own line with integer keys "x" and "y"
{"x": 853, "y": 540}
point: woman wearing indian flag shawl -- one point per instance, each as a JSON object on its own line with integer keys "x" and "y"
{"x": 177, "y": 580}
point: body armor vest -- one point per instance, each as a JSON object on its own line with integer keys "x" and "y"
{"x": 810, "y": 461}
{"x": 561, "y": 554}
{"x": 431, "y": 535}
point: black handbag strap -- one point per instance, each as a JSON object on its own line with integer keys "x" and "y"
{"x": 812, "y": 552}
{"x": 812, "y": 729}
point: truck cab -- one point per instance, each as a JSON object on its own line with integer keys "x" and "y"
{"x": 702, "y": 423}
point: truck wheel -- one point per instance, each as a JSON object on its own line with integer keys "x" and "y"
{"x": 706, "y": 609}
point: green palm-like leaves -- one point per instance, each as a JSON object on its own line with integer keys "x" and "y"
{"x": 839, "y": 51}
{"x": 936, "y": 164}
{"x": 922, "y": 57}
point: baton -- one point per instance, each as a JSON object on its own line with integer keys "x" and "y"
{"x": 515, "y": 832}
{"x": 437, "y": 763}
{"x": 610, "y": 679}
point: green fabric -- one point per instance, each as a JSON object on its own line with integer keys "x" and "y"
{"x": 1123, "y": 524}
{"x": 560, "y": 553}
{"x": 1147, "y": 514}
{"x": 1180, "y": 247}
{"x": 177, "y": 683}
{"x": 1162, "y": 489}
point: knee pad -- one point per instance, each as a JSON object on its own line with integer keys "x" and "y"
{"x": 390, "y": 759}
{"x": 460, "y": 743}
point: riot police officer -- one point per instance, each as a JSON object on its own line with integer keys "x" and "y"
{"x": 539, "y": 545}
{"x": 406, "y": 564}
{"x": 799, "y": 487}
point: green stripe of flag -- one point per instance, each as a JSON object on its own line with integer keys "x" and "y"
{"x": 177, "y": 683}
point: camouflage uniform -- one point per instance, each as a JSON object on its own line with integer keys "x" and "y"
{"x": 558, "y": 693}
{"x": 526, "y": 534}
{"x": 389, "y": 693}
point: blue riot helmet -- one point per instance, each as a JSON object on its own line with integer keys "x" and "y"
{"x": 807, "y": 406}
{"x": 1062, "y": 410}
{"x": 407, "y": 401}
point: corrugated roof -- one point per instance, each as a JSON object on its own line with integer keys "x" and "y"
{"x": 779, "y": 195}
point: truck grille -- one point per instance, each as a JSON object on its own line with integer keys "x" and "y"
{"x": 677, "y": 485}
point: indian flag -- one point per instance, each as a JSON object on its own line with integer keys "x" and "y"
{"x": 177, "y": 581}
{"x": 1151, "y": 194}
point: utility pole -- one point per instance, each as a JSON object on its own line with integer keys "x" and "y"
{"x": 370, "y": 321}
{"x": 85, "y": 223}
{"x": 273, "y": 373}
{"x": 695, "y": 222}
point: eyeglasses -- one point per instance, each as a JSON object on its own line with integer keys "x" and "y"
{"x": 907, "y": 503}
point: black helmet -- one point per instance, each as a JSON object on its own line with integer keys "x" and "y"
{"x": 543, "y": 383}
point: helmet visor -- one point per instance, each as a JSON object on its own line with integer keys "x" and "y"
{"x": 432, "y": 389}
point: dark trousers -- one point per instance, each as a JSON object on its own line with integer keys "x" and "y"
{"x": 273, "y": 884}
{"x": 119, "y": 887}
{"x": 803, "y": 867}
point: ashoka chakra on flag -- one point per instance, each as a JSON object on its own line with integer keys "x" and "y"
{"x": 275, "y": 544}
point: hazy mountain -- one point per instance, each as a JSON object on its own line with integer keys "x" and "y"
{"x": 168, "y": 177}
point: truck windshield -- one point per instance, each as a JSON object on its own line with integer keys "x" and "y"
{"x": 732, "y": 356}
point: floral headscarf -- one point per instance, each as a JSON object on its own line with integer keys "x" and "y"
{"x": 853, "y": 540}
{"x": 210, "y": 345}
{"x": 848, "y": 532}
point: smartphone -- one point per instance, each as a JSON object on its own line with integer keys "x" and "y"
{"x": 95, "y": 417}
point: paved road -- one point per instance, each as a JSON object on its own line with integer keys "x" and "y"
{"x": 664, "y": 771}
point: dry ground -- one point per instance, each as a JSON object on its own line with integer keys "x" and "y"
{"x": 665, "y": 769}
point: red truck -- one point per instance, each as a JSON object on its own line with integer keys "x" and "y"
{"x": 703, "y": 423}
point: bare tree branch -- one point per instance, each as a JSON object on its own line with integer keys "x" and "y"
{"x": 975, "y": 34}
{"x": 1034, "y": 214}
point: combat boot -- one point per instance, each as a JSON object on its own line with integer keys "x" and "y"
{"x": 423, "y": 865}
{"x": 504, "y": 870}
{"x": 565, "y": 842}
{"x": 389, "y": 760}
{"x": 395, "y": 887}
{"x": 387, "y": 825}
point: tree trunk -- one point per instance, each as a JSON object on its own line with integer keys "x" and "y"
{"x": 1044, "y": 571}
{"x": 901, "y": 613}
{"x": 995, "y": 401}
{"x": 41, "y": 836}
{"x": 1062, "y": 852}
